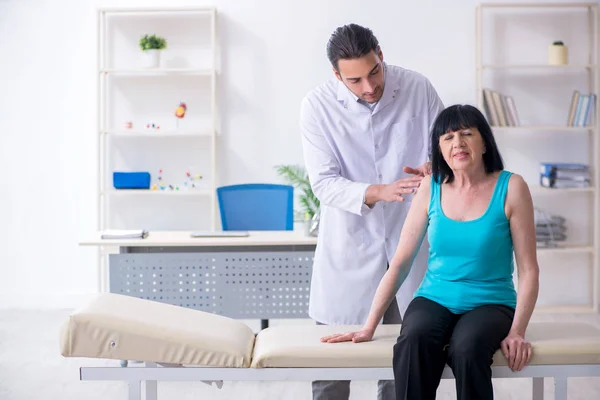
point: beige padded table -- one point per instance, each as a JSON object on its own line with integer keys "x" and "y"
{"x": 178, "y": 344}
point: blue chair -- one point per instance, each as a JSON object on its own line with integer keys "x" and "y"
{"x": 256, "y": 207}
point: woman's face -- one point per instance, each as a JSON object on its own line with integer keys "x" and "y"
{"x": 463, "y": 149}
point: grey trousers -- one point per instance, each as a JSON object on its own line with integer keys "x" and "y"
{"x": 340, "y": 390}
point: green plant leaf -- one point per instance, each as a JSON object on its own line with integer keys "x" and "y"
{"x": 152, "y": 42}
{"x": 297, "y": 176}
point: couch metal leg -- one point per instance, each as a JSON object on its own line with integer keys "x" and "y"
{"x": 135, "y": 392}
{"x": 538, "y": 389}
{"x": 560, "y": 388}
{"x": 151, "y": 386}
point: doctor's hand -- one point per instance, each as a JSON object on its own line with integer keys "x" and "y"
{"x": 356, "y": 337}
{"x": 394, "y": 191}
{"x": 517, "y": 351}
{"x": 423, "y": 170}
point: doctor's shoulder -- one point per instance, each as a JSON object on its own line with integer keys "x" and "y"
{"x": 412, "y": 80}
{"x": 408, "y": 75}
{"x": 319, "y": 97}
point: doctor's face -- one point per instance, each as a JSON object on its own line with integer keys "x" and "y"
{"x": 363, "y": 76}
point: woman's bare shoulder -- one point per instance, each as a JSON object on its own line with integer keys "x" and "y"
{"x": 518, "y": 194}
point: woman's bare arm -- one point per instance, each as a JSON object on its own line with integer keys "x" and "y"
{"x": 519, "y": 207}
{"x": 411, "y": 237}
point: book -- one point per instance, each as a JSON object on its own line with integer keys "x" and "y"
{"x": 563, "y": 183}
{"x": 549, "y": 169}
{"x": 124, "y": 234}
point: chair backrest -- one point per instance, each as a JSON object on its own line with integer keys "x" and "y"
{"x": 256, "y": 207}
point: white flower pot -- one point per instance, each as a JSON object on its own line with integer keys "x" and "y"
{"x": 151, "y": 58}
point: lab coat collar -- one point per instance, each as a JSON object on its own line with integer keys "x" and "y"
{"x": 350, "y": 101}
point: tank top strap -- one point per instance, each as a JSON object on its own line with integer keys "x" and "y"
{"x": 499, "y": 196}
{"x": 434, "y": 199}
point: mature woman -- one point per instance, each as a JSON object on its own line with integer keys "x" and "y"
{"x": 476, "y": 215}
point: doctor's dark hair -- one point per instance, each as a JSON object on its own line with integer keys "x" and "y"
{"x": 350, "y": 41}
{"x": 455, "y": 118}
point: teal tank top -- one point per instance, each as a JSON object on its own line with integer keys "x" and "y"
{"x": 470, "y": 262}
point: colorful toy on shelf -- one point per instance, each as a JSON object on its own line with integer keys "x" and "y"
{"x": 127, "y": 125}
{"x": 160, "y": 182}
{"x": 192, "y": 180}
{"x": 189, "y": 182}
{"x": 180, "y": 112}
{"x": 153, "y": 126}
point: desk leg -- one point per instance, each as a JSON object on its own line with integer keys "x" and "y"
{"x": 264, "y": 324}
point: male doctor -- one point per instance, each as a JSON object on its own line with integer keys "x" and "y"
{"x": 365, "y": 136}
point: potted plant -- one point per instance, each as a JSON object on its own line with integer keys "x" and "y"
{"x": 151, "y": 45}
{"x": 297, "y": 176}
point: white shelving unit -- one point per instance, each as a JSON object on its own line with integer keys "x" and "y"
{"x": 515, "y": 63}
{"x": 127, "y": 91}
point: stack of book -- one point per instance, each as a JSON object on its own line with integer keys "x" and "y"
{"x": 500, "y": 109}
{"x": 563, "y": 175}
{"x": 581, "y": 110}
{"x": 550, "y": 230}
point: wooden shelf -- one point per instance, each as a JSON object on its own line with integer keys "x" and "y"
{"x": 575, "y": 309}
{"x": 544, "y": 190}
{"x": 148, "y": 192}
{"x": 159, "y": 134}
{"x": 538, "y": 66}
{"x": 556, "y": 128}
{"x": 566, "y": 249}
{"x": 536, "y": 5}
{"x": 161, "y": 11}
{"x": 158, "y": 71}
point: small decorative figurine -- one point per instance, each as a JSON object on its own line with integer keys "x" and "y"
{"x": 180, "y": 112}
{"x": 152, "y": 126}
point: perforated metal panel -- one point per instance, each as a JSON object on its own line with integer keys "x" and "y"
{"x": 262, "y": 285}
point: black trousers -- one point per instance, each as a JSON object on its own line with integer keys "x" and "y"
{"x": 432, "y": 336}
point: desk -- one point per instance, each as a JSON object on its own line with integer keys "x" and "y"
{"x": 263, "y": 276}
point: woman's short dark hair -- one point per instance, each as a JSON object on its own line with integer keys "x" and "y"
{"x": 455, "y": 118}
{"x": 350, "y": 41}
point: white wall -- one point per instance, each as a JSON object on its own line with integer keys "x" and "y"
{"x": 273, "y": 53}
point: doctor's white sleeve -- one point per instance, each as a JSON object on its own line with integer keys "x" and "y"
{"x": 435, "y": 107}
{"x": 324, "y": 170}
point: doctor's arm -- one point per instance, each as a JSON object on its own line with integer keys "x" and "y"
{"x": 324, "y": 170}
{"x": 324, "y": 173}
{"x": 519, "y": 207}
{"x": 411, "y": 237}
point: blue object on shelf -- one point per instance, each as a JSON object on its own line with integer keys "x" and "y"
{"x": 131, "y": 180}
{"x": 256, "y": 207}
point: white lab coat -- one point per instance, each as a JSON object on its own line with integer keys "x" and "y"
{"x": 346, "y": 148}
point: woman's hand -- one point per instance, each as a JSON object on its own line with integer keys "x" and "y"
{"x": 516, "y": 350}
{"x": 364, "y": 335}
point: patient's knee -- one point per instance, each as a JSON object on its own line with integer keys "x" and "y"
{"x": 420, "y": 337}
{"x": 469, "y": 351}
